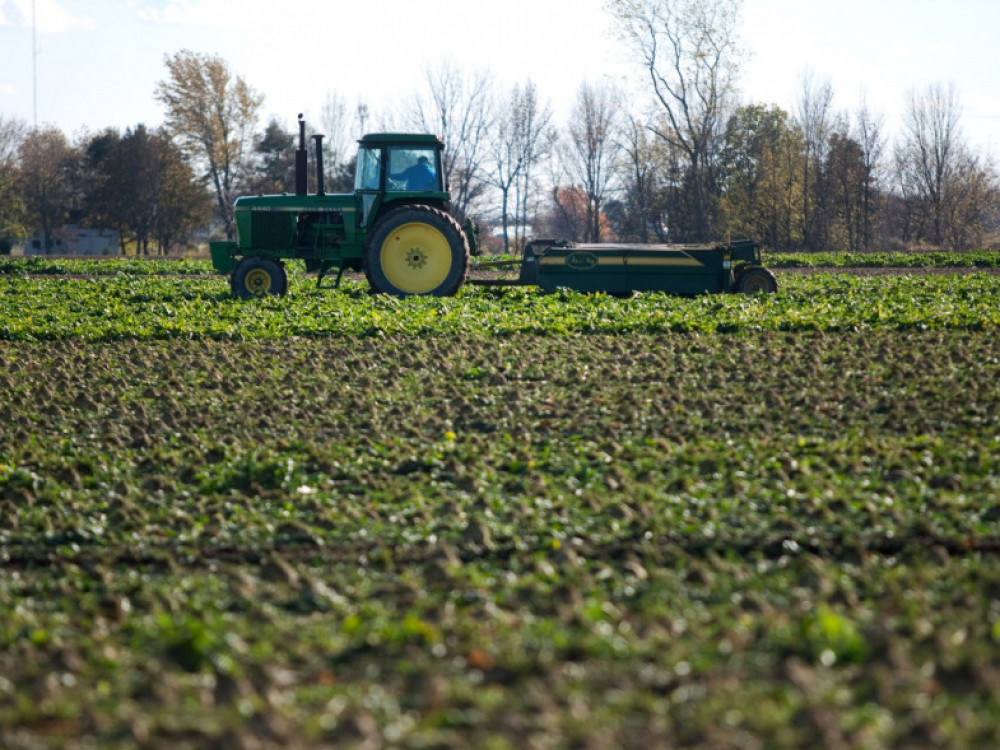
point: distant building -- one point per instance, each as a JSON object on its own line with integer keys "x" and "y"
{"x": 71, "y": 240}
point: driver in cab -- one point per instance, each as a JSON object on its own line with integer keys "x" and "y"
{"x": 419, "y": 176}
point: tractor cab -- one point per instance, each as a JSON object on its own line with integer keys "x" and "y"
{"x": 400, "y": 162}
{"x": 393, "y": 168}
{"x": 414, "y": 169}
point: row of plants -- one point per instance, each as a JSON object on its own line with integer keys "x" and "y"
{"x": 103, "y": 266}
{"x": 146, "y": 308}
{"x": 41, "y": 265}
{"x": 885, "y": 259}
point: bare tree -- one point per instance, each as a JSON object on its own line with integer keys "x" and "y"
{"x": 591, "y": 151}
{"x": 12, "y": 133}
{"x": 537, "y": 139}
{"x": 459, "y": 106}
{"x": 690, "y": 50}
{"x": 335, "y": 122}
{"x": 971, "y": 202}
{"x": 339, "y": 148}
{"x": 637, "y": 169}
{"x": 814, "y": 116}
{"x": 869, "y": 136}
{"x": 212, "y": 115}
{"x": 521, "y": 136}
{"x": 928, "y": 154}
{"x": 505, "y": 160}
{"x": 948, "y": 193}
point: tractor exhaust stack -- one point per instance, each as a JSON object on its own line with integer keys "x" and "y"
{"x": 302, "y": 161}
{"x": 319, "y": 165}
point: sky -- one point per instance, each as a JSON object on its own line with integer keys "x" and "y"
{"x": 98, "y": 61}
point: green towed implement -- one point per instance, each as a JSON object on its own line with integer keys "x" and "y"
{"x": 397, "y": 229}
{"x": 621, "y": 269}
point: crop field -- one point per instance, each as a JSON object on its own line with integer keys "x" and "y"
{"x": 504, "y": 519}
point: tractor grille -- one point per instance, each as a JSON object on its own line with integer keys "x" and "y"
{"x": 272, "y": 230}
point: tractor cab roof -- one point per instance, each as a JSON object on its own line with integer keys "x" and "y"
{"x": 409, "y": 139}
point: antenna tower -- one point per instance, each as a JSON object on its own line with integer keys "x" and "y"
{"x": 34, "y": 65}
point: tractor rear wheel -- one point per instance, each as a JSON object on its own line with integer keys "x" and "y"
{"x": 753, "y": 280}
{"x": 417, "y": 250}
{"x": 256, "y": 276}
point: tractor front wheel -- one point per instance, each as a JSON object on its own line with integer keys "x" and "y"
{"x": 256, "y": 276}
{"x": 754, "y": 280}
{"x": 417, "y": 250}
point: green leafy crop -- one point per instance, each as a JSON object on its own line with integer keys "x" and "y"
{"x": 506, "y": 519}
{"x": 152, "y": 308}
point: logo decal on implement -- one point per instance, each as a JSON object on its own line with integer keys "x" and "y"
{"x": 581, "y": 261}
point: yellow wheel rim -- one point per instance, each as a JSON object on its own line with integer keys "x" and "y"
{"x": 416, "y": 258}
{"x": 756, "y": 284}
{"x": 258, "y": 282}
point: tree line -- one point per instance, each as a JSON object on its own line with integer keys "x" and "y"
{"x": 136, "y": 182}
{"x": 687, "y": 161}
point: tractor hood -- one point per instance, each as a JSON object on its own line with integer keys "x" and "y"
{"x": 272, "y": 220}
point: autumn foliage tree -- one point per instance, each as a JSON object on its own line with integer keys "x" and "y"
{"x": 13, "y": 212}
{"x": 211, "y": 115}
{"x": 567, "y": 217}
{"x": 846, "y": 177}
{"x": 48, "y": 180}
{"x": 760, "y": 177}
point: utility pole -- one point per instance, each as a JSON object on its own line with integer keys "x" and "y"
{"x": 34, "y": 66}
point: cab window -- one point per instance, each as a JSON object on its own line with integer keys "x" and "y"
{"x": 414, "y": 169}
{"x": 369, "y": 163}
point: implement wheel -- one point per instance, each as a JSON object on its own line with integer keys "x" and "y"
{"x": 417, "y": 250}
{"x": 256, "y": 276}
{"x": 754, "y": 280}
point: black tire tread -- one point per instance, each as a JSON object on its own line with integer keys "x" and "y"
{"x": 749, "y": 272}
{"x": 249, "y": 262}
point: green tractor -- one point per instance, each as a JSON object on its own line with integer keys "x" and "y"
{"x": 395, "y": 226}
